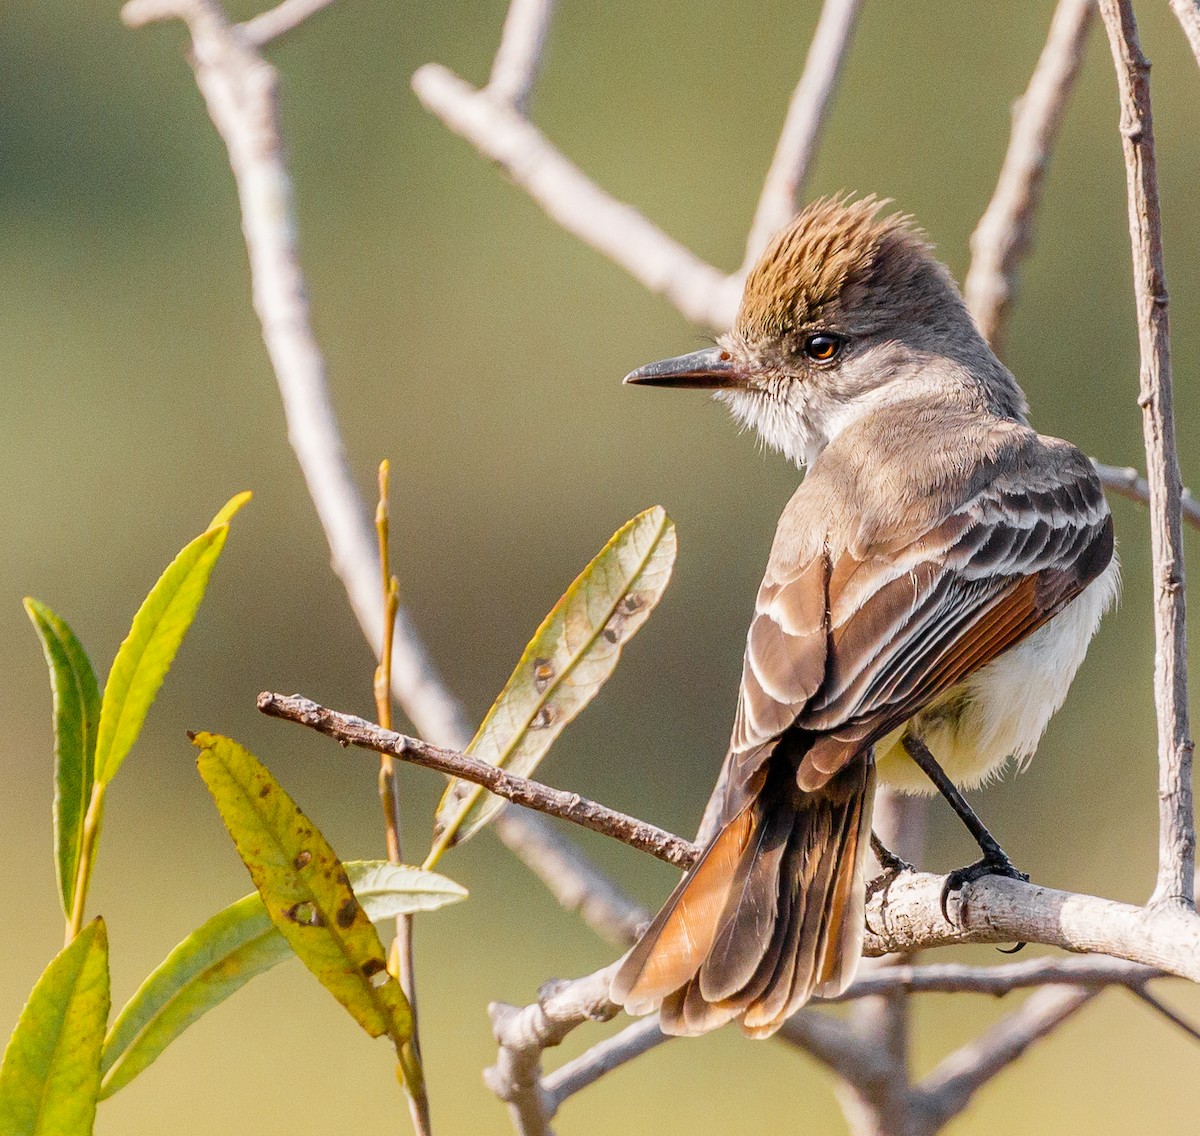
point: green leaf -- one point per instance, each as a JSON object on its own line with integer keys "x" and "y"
{"x": 305, "y": 888}
{"x": 76, "y": 717}
{"x": 223, "y": 954}
{"x": 565, "y": 665}
{"x": 145, "y": 656}
{"x": 51, "y": 1073}
{"x": 230, "y": 509}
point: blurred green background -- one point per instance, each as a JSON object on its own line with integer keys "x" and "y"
{"x": 481, "y": 349}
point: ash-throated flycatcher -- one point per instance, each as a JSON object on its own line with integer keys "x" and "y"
{"x": 936, "y": 577}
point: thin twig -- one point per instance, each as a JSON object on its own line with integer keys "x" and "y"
{"x": 783, "y": 188}
{"x": 703, "y": 294}
{"x": 402, "y": 945}
{"x": 1166, "y": 1011}
{"x": 1002, "y": 236}
{"x": 1126, "y": 482}
{"x": 278, "y": 21}
{"x": 351, "y": 730}
{"x": 949, "y": 1088}
{"x": 1188, "y": 14}
{"x": 1177, "y": 837}
{"x": 240, "y": 90}
{"x": 519, "y": 56}
{"x": 602, "y": 1058}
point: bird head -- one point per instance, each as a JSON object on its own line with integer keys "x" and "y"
{"x": 844, "y": 311}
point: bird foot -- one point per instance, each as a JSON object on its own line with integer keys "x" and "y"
{"x": 891, "y": 864}
{"x": 992, "y": 865}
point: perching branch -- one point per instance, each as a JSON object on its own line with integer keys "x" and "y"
{"x": 351, "y": 730}
{"x": 1176, "y": 883}
{"x": 783, "y": 189}
{"x": 1003, "y": 234}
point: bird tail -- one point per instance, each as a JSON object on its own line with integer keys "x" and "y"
{"x": 770, "y": 914}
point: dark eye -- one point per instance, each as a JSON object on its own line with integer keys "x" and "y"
{"x": 823, "y": 346}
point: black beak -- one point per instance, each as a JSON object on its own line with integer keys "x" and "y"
{"x": 710, "y": 369}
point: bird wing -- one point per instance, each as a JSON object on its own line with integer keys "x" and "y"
{"x": 845, "y": 645}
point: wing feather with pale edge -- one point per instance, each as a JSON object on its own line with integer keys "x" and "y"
{"x": 847, "y": 646}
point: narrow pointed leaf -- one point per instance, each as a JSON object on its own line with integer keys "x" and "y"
{"x": 76, "y": 718}
{"x": 230, "y": 509}
{"x": 145, "y": 656}
{"x": 565, "y": 665}
{"x": 51, "y": 1073}
{"x": 305, "y": 887}
{"x": 223, "y": 954}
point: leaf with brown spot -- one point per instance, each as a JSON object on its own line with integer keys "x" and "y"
{"x": 312, "y": 905}
{"x": 564, "y": 666}
{"x": 228, "y": 950}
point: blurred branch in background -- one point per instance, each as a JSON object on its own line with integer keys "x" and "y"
{"x": 240, "y": 89}
{"x": 783, "y": 190}
{"x": 1002, "y": 237}
{"x": 1188, "y": 14}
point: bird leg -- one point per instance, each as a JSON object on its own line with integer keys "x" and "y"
{"x": 995, "y": 861}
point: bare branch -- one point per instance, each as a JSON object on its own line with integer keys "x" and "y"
{"x": 834, "y": 1045}
{"x": 616, "y": 229}
{"x": 278, "y": 21}
{"x": 797, "y": 145}
{"x": 571, "y": 878}
{"x": 1002, "y": 236}
{"x": 956, "y": 978}
{"x": 240, "y": 89}
{"x": 1177, "y": 836}
{"x": 1125, "y": 482}
{"x": 523, "y": 1035}
{"x": 906, "y": 916}
{"x": 519, "y": 57}
{"x": 1188, "y": 14}
{"x": 1166, "y": 1011}
{"x": 602, "y": 1058}
{"x": 351, "y": 730}
{"x": 949, "y": 1088}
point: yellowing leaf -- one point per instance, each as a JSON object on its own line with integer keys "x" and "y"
{"x": 224, "y": 953}
{"x": 568, "y": 660}
{"x": 50, "y": 1077}
{"x": 305, "y": 887}
{"x": 230, "y": 509}
{"x": 76, "y": 717}
{"x": 145, "y": 656}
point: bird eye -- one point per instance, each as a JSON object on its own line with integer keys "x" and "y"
{"x": 823, "y": 346}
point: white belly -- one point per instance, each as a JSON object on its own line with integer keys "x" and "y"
{"x": 1001, "y": 711}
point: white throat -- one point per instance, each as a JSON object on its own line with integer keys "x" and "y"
{"x": 799, "y": 420}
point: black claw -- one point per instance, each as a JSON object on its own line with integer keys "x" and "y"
{"x": 988, "y": 866}
{"x": 1013, "y": 949}
{"x": 891, "y": 864}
